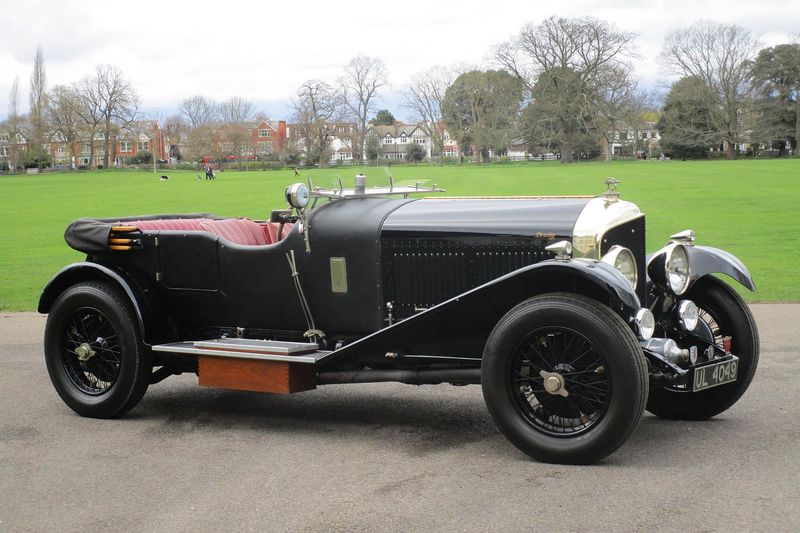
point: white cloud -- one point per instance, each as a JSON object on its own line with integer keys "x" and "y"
{"x": 265, "y": 50}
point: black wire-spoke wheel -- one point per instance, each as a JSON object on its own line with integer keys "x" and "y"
{"x": 91, "y": 351}
{"x": 722, "y": 313}
{"x": 94, "y": 352}
{"x": 564, "y": 378}
{"x": 565, "y": 362}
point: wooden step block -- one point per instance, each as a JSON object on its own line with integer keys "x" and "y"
{"x": 256, "y": 375}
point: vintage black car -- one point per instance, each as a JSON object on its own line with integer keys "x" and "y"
{"x": 549, "y": 303}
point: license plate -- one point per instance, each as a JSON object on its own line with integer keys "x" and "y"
{"x": 715, "y": 374}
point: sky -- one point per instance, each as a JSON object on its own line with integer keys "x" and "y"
{"x": 263, "y": 51}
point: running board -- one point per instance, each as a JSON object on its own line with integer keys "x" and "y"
{"x": 252, "y": 365}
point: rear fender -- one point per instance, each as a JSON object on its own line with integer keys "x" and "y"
{"x": 459, "y": 327}
{"x": 80, "y": 272}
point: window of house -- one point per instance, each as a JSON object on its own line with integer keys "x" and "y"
{"x": 388, "y": 139}
{"x": 403, "y": 138}
{"x": 61, "y": 149}
{"x": 3, "y": 151}
{"x": 125, "y": 146}
{"x": 143, "y": 146}
{"x": 264, "y": 133}
{"x": 264, "y": 147}
{"x": 99, "y": 136}
{"x": 85, "y": 148}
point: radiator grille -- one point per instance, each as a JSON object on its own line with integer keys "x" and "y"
{"x": 422, "y": 272}
{"x": 631, "y": 235}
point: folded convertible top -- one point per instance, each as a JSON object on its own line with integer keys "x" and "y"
{"x": 90, "y": 235}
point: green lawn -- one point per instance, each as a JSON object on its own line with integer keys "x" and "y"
{"x": 749, "y": 208}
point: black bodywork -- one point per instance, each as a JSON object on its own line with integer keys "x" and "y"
{"x": 426, "y": 279}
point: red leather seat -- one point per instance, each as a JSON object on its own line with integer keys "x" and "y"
{"x": 179, "y": 224}
{"x": 237, "y": 230}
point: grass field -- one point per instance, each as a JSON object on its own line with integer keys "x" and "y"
{"x": 749, "y": 208}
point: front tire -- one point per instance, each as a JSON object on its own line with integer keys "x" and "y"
{"x": 726, "y": 314}
{"x": 94, "y": 352}
{"x": 564, "y": 379}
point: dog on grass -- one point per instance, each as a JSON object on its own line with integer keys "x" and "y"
{"x": 164, "y": 178}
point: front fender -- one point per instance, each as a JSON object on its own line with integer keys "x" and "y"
{"x": 459, "y": 327}
{"x": 706, "y": 260}
{"x": 85, "y": 271}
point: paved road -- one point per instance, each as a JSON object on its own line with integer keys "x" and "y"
{"x": 386, "y": 456}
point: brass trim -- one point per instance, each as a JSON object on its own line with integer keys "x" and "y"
{"x": 596, "y": 219}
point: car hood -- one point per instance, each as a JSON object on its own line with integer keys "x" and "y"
{"x": 534, "y": 216}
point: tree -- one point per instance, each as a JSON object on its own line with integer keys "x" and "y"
{"x": 37, "y": 98}
{"x": 555, "y": 120}
{"x": 584, "y": 58}
{"x": 14, "y": 124}
{"x": 359, "y": 90}
{"x": 114, "y": 105}
{"x": 175, "y": 130}
{"x": 482, "y": 109}
{"x": 425, "y": 96}
{"x": 415, "y": 152}
{"x": 373, "y": 148}
{"x": 198, "y": 111}
{"x": 315, "y": 110}
{"x": 719, "y": 56}
{"x": 89, "y": 109}
{"x": 383, "y": 117}
{"x": 776, "y": 80}
{"x": 234, "y": 113}
{"x": 686, "y": 124}
{"x": 62, "y": 113}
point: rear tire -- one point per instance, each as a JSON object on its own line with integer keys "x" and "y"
{"x": 94, "y": 351}
{"x": 727, "y": 314}
{"x": 583, "y": 348}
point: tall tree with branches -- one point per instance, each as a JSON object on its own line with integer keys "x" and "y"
{"x": 234, "y": 113}
{"x": 119, "y": 105}
{"x": 316, "y": 112}
{"x": 719, "y": 56}
{"x": 776, "y": 80}
{"x": 580, "y": 57}
{"x": 363, "y": 77}
{"x": 62, "y": 113}
{"x": 37, "y": 97}
{"x": 14, "y": 123}
{"x": 424, "y": 95}
{"x": 198, "y": 111}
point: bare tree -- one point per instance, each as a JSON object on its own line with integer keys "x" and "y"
{"x": 62, "y": 113}
{"x": 119, "y": 105}
{"x": 37, "y": 98}
{"x": 198, "y": 111}
{"x": 614, "y": 110}
{"x": 89, "y": 109}
{"x": 235, "y": 112}
{"x": 14, "y": 123}
{"x": 425, "y": 96}
{"x": 720, "y": 57}
{"x": 573, "y": 57}
{"x": 315, "y": 111}
{"x": 359, "y": 86}
{"x": 175, "y": 130}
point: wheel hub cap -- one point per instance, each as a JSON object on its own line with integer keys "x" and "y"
{"x": 84, "y": 352}
{"x": 554, "y": 383}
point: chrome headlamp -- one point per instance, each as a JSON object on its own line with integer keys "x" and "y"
{"x": 670, "y": 269}
{"x": 676, "y": 266}
{"x": 297, "y": 195}
{"x": 623, "y": 260}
